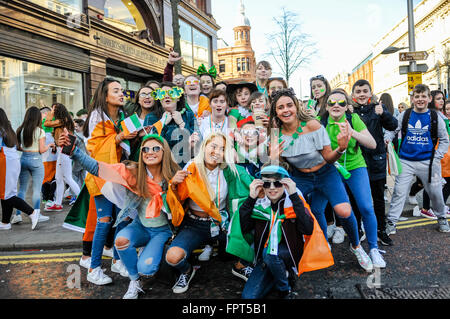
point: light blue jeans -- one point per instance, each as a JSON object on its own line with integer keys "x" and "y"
{"x": 152, "y": 239}
{"x": 31, "y": 166}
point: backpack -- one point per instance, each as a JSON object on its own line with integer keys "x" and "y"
{"x": 433, "y": 131}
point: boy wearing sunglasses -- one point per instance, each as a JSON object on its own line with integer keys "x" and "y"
{"x": 276, "y": 214}
{"x": 377, "y": 118}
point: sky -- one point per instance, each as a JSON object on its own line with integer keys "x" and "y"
{"x": 344, "y": 31}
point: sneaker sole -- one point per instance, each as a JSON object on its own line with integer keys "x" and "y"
{"x": 429, "y": 217}
{"x": 239, "y": 275}
{"x": 384, "y": 243}
{"x": 99, "y": 284}
{"x": 52, "y": 210}
{"x": 181, "y": 290}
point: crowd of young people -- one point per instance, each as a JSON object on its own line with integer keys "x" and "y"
{"x": 225, "y": 166}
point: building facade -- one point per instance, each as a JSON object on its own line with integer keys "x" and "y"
{"x": 237, "y": 63}
{"x": 432, "y": 34}
{"x": 60, "y": 50}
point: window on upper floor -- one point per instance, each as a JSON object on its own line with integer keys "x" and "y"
{"x": 61, "y": 6}
{"x": 123, "y": 15}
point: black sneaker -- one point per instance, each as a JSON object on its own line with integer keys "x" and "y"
{"x": 182, "y": 283}
{"x": 384, "y": 239}
{"x": 243, "y": 273}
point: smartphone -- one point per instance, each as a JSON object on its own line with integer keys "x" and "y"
{"x": 68, "y": 148}
{"x": 311, "y": 104}
{"x": 258, "y": 117}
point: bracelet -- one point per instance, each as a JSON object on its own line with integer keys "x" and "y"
{"x": 341, "y": 153}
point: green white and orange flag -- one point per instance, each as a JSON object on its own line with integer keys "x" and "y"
{"x": 131, "y": 124}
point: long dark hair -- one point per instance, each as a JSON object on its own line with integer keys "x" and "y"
{"x": 6, "y": 131}
{"x": 158, "y": 109}
{"x": 31, "y": 121}
{"x": 321, "y": 105}
{"x": 62, "y": 114}
{"x": 137, "y": 108}
{"x": 386, "y": 99}
{"x": 433, "y": 94}
{"x": 98, "y": 102}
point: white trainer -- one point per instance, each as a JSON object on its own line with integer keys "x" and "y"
{"x": 206, "y": 254}
{"x": 412, "y": 200}
{"x": 363, "y": 259}
{"x": 377, "y": 259}
{"x": 108, "y": 252}
{"x": 416, "y": 211}
{"x": 97, "y": 277}
{"x": 134, "y": 288}
{"x": 35, "y": 218}
{"x": 5, "y": 226}
{"x": 86, "y": 263}
{"x": 330, "y": 230}
{"x": 17, "y": 219}
{"x": 43, "y": 218}
{"x": 339, "y": 234}
{"x": 119, "y": 268}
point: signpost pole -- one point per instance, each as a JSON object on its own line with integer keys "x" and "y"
{"x": 411, "y": 35}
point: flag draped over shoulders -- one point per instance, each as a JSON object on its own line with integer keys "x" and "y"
{"x": 316, "y": 252}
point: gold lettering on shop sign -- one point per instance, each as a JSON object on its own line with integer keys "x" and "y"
{"x": 130, "y": 50}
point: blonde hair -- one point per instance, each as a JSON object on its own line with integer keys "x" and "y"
{"x": 199, "y": 159}
{"x": 168, "y": 167}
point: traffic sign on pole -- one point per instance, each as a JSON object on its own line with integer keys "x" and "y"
{"x": 405, "y": 69}
{"x": 413, "y": 80}
{"x": 412, "y": 56}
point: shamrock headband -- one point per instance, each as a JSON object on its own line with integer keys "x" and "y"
{"x": 174, "y": 93}
{"x": 154, "y": 136}
{"x": 202, "y": 71}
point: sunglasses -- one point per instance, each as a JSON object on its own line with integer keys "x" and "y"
{"x": 191, "y": 82}
{"x": 250, "y": 132}
{"x": 340, "y": 103}
{"x": 276, "y": 184}
{"x": 155, "y": 149}
{"x": 320, "y": 76}
{"x": 174, "y": 93}
{"x": 146, "y": 95}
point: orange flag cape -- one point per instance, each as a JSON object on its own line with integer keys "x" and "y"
{"x": 192, "y": 187}
{"x": 316, "y": 252}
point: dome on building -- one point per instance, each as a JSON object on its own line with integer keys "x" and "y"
{"x": 241, "y": 19}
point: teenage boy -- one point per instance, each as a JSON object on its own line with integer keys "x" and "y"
{"x": 376, "y": 117}
{"x": 421, "y": 130}
{"x": 278, "y": 236}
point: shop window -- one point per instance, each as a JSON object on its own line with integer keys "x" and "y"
{"x": 62, "y": 6}
{"x": 37, "y": 87}
{"x": 195, "y": 45}
{"x": 222, "y": 66}
{"x": 123, "y": 15}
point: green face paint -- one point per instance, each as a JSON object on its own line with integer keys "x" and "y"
{"x": 322, "y": 90}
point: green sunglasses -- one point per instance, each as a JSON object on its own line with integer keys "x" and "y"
{"x": 174, "y": 93}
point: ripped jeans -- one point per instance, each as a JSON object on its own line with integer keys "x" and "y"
{"x": 152, "y": 239}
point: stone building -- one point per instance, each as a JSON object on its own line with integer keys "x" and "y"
{"x": 237, "y": 63}
{"x": 60, "y": 50}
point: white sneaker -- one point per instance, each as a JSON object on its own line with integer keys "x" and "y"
{"x": 206, "y": 254}
{"x": 363, "y": 259}
{"x": 5, "y": 226}
{"x": 86, "y": 263}
{"x": 377, "y": 259}
{"x": 16, "y": 219}
{"x": 339, "y": 234}
{"x": 412, "y": 200}
{"x": 447, "y": 212}
{"x": 43, "y": 218}
{"x": 108, "y": 252}
{"x": 416, "y": 211}
{"x": 119, "y": 268}
{"x": 35, "y": 218}
{"x": 96, "y": 276}
{"x": 330, "y": 230}
{"x": 134, "y": 288}
{"x": 49, "y": 203}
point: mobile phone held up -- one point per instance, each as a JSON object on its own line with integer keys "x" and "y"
{"x": 68, "y": 148}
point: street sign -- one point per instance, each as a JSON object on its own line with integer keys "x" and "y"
{"x": 405, "y": 69}
{"x": 412, "y": 56}
{"x": 413, "y": 80}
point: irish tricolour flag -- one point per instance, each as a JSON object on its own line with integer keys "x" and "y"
{"x": 131, "y": 124}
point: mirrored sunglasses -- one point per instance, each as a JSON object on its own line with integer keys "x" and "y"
{"x": 154, "y": 149}
{"x": 341, "y": 103}
{"x": 268, "y": 184}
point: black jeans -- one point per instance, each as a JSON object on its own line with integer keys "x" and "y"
{"x": 8, "y": 206}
